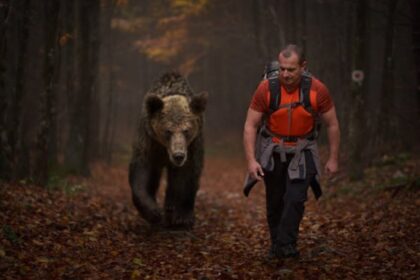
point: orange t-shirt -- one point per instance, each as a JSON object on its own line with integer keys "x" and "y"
{"x": 261, "y": 100}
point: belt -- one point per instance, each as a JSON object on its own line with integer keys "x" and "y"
{"x": 290, "y": 139}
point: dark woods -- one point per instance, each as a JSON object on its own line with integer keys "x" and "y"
{"x": 72, "y": 73}
{"x": 50, "y": 66}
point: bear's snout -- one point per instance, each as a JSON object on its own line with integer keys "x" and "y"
{"x": 178, "y": 149}
{"x": 179, "y": 158}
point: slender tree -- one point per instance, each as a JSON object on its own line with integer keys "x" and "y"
{"x": 357, "y": 128}
{"x": 415, "y": 9}
{"x": 5, "y": 150}
{"x": 385, "y": 122}
{"x": 107, "y": 137}
{"x": 95, "y": 112}
{"x": 16, "y": 140}
{"x": 78, "y": 152}
{"x": 48, "y": 96}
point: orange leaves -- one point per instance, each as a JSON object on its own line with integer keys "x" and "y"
{"x": 165, "y": 34}
{"x": 97, "y": 234}
{"x": 64, "y": 39}
{"x": 189, "y": 7}
{"x": 164, "y": 48}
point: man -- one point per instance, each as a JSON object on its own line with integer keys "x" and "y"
{"x": 287, "y": 157}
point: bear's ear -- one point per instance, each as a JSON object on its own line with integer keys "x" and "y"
{"x": 198, "y": 102}
{"x": 153, "y": 104}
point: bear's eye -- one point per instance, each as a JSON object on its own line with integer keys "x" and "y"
{"x": 186, "y": 133}
{"x": 168, "y": 134}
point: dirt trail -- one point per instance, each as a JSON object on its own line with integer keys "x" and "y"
{"x": 97, "y": 233}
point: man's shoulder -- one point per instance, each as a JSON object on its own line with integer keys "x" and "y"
{"x": 263, "y": 86}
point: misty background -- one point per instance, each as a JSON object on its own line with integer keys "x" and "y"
{"x": 73, "y": 73}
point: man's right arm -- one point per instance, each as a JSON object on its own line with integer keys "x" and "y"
{"x": 252, "y": 122}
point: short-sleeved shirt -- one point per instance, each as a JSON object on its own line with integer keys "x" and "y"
{"x": 261, "y": 99}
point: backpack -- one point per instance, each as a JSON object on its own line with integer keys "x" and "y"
{"x": 271, "y": 74}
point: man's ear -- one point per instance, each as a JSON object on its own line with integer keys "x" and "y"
{"x": 198, "y": 102}
{"x": 153, "y": 104}
{"x": 304, "y": 65}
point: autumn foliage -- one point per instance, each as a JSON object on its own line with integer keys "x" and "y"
{"x": 89, "y": 229}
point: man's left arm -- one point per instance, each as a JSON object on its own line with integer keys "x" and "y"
{"x": 329, "y": 118}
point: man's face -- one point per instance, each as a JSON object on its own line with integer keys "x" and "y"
{"x": 290, "y": 70}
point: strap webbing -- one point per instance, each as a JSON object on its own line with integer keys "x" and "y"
{"x": 305, "y": 88}
{"x": 275, "y": 94}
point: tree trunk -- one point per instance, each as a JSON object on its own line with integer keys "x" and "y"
{"x": 359, "y": 90}
{"x": 79, "y": 141}
{"x": 110, "y": 107}
{"x": 46, "y": 127}
{"x": 385, "y": 123}
{"x": 415, "y": 8}
{"x": 259, "y": 30}
{"x": 303, "y": 28}
{"x": 5, "y": 150}
{"x": 68, "y": 39}
{"x": 95, "y": 112}
{"x": 16, "y": 141}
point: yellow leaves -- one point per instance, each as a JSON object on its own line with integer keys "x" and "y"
{"x": 43, "y": 260}
{"x": 188, "y": 6}
{"x": 138, "y": 262}
{"x": 36, "y": 242}
{"x": 164, "y": 48}
{"x": 91, "y": 235}
{"x": 135, "y": 274}
{"x": 129, "y": 25}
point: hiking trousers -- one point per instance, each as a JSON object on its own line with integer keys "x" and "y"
{"x": 285, "y": 200}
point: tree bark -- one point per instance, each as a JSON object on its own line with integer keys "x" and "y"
{"x": 415, "y": 9}
{"x": 385, "y": 122}
{"x": 17, "y": 143}
{"x": 107, "y": 139}
{"x": 359, "y": 90}
{"x": 5, "y": 150}
{"x": 48, "y": 97}
{"x": 259, "y": 30}
{"x": 93, "y": 150}
{"x": 77, "y": 156}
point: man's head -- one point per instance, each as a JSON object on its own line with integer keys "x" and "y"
{"x": 292, "y": 65}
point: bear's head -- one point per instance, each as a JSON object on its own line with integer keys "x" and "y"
{"x": 175, "y": 122}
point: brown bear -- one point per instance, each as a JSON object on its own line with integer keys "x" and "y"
{"x": 169, "y": 136}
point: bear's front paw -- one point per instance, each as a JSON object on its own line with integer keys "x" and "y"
{"x": 153, "y": 216}
{"x": 180, "y": 222}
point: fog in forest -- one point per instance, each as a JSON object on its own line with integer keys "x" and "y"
{"x": 73, "y": 73}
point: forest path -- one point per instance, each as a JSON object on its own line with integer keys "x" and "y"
{"x": 98, "y": 234}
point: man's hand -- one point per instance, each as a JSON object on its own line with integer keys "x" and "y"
{"x": 255, "y": 171}
{"x": 333, "y": 131}
{"x": 331, "y": 167}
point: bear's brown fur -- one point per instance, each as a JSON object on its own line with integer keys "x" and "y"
{"x": 169, "y": 136}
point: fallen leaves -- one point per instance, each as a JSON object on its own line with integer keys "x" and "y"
{"x": 98, "y": 234}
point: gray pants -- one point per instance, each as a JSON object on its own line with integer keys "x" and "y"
{"x": 285, "y": 200}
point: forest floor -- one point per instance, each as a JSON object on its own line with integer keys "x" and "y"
{"x": 89, "y": 229}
